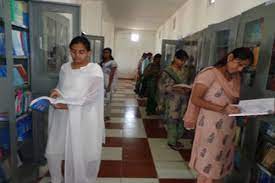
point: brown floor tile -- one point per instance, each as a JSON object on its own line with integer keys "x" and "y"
{"x": 113, "y": 142}
{"x": 113, "y": 125}
{"x": 186, "y": 154}
{"x": 176, "y": 181}
{"x": 139, "y": 169}
{"x": 110, "y": 169}
{"x": 136, "y": 149}
{"x": 154, "y": 128}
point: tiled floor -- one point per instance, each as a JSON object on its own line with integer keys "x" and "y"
{"x": 136, "y": 150}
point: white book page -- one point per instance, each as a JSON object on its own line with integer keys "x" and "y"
{"x": 255, "y": 107}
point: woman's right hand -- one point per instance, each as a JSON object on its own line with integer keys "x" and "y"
{"x": 231, "y": 109}
{"x": 55, "y": 94}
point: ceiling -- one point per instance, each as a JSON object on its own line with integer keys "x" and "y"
{"x": 142, "y": 14}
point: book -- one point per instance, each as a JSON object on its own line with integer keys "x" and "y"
{"x": 17, "y": 78}
{"x": 17, "y": 43}
{"x": 255, "y": 107}
{"x": 22, "y": 71}
{"x": 182, "y": 85}
{"x": 2, "y": 41}
{"x": 41, "y": 104}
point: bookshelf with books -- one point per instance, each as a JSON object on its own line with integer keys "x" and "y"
{"x": 15, "y": 93}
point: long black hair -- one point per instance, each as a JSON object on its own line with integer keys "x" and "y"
{"x": 242, "y": 53}
{"x": 83, "y": 40}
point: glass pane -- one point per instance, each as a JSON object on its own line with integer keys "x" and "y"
{"x": 271, "y": 77}
{"x": 191, "y": 47}
{"x": 93, "y": 48}
{"x": 170, "y": 50}
{"x": 222, "y": 38}
{"x": 57, "y": 33}
{"x": 252, "y": 39}
{"x": 98, "y": 51}
{"x": 253, "y": 31}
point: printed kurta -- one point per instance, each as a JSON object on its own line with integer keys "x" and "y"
{"x": 213, "y": 146}
{"x": 173, "y": 104}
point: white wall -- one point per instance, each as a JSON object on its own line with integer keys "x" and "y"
{"x": 195, "y": 15}
{"x": 128, "y": 53}
{"x": 92, "y": 17}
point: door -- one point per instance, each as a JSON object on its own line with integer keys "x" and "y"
{"x": 53, "y": 25}
{"x": 97, "y": 46}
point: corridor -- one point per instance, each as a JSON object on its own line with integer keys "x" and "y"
{"x": 136, "y": 150}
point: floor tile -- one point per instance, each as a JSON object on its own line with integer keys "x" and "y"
{"x": 136, "y": 149}
{"x": 138, "y": 180}
{"x": 161, "y": 151}
{"x": 139, "y": 169}
{"x": 114, "y": 133}
{"x": 110, "y": 169}
{"x": 113, "y": 142}
{"x": 173, "y": 170}
{"x": 176, "y": 181}
{"x": 111, "y": 153}
{"x": 134, "y": 133}
{"x": 108, "y": 180}
{"x": 154, "y": 128}
{"x": 114, "y": 125}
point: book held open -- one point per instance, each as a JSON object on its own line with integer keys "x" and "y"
{"x": 256, "y": 107}
{"x": 41, "y": 104}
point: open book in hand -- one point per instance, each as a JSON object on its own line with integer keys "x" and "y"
{"x": 41, "y": 104}
{"x": 256, "y": 107}
{"x": 182, "y": 85}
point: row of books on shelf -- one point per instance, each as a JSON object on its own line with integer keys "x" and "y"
{"x": 23, "y": 129}
{"x": 20, "y": 42}
{"x": 2, "y": 40}
{"x": 20, "y": 76}
{"x": 23, "y": 99}
{"x": 19, "y": 12}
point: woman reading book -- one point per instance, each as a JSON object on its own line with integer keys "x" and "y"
{"x": 215, "y": 89}
{"x": 173, "y": 100}
{"x": 76, "y": 128}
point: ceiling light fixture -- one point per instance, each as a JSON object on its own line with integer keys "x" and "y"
{"x": 134, "y": 37}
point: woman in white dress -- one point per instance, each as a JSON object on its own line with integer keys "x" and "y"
{"x": 76, "y": 129}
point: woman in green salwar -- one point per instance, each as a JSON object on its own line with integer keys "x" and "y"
{"x": 173, "y": 100}
{"x": 151, "y": 74}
